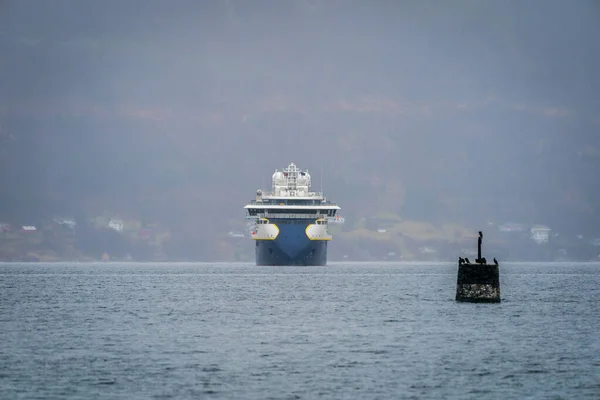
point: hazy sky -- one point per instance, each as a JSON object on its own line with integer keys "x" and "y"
{"x": 543, "y": 52}
{"x": 229, "y": 82}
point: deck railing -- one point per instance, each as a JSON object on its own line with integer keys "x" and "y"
{"x": 287, "y": 216}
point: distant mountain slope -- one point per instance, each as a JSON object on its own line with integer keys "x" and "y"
{"x": 457, "y": 114}
{"x": 428, "y": 169}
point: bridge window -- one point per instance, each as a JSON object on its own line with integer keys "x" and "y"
{"x": 290, "y": 211}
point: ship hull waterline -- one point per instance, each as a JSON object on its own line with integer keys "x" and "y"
{"x": 292, "y": 247}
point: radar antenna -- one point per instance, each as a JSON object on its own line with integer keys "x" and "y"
{"x": 321, "y": 178}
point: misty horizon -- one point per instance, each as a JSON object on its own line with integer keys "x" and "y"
{"x": 176, "y": 112}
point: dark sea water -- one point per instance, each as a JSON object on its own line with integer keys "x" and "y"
{"x": 346, "y": 331}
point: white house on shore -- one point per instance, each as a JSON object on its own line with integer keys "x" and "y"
{"x": 512, "y": 227}
{"x": 68, "y": 222}
{"x": 540, "y": 234}
{"x": 116, "y": 224}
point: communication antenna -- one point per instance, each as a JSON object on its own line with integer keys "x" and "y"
{"x": 321, "y": 177}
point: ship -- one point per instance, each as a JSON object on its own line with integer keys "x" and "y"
{"x": 290, "y": 222}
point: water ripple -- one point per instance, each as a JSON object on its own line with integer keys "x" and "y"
{"x": 223, "y": 331}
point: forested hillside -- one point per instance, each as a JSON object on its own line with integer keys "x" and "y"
{"x": 176, "y": 115}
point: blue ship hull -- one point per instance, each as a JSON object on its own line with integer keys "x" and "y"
{"x": 291, "y": 247}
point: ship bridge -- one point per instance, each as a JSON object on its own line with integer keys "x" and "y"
{"x": 291, "y": 197}
{"x": 292, "y": 182}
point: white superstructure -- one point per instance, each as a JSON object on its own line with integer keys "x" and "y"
{"x": 290, "y": 200}
{"x": 290, "y": 191}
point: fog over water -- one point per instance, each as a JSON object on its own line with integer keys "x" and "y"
{"x": 175, "y": 112}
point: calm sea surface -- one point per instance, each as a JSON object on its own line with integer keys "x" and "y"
{"x": 346, "y": 331}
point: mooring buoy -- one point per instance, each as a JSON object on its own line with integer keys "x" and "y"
{"x": 478, "y": 282}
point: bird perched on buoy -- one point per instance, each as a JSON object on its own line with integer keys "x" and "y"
{"x": 478, "y": 282}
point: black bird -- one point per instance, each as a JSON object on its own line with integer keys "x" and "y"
{"x": 495, "y": 261}
{"x": 483, "y": 261}
{"x": 467, "y": 260}
{"x": 460, "y": 261}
